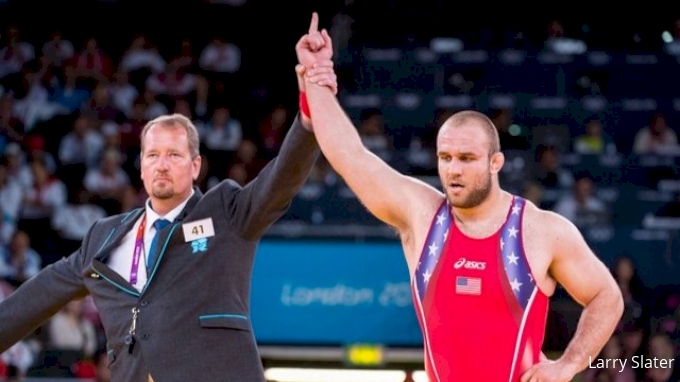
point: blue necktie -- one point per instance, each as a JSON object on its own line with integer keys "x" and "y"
{"x": 158, "y": 225}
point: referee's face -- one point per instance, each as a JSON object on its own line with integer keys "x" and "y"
{"x": 167, "y": 168}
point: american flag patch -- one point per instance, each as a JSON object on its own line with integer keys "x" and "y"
{"x": 468, "y": 285}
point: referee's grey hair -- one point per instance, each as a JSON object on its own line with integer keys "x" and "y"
{"x": 174, "y": 120}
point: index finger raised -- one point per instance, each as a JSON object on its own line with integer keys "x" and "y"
{"x": 314, "y": 25}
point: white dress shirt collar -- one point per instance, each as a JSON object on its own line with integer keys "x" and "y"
{"x": 152, "y": 216}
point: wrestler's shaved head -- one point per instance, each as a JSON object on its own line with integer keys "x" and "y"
{"x": 471, "y": 118}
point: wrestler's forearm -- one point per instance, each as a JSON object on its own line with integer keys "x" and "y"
{"x": 596, "y": 325}
{"x": 337, "y": 136}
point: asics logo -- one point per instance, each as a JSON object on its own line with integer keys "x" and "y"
{"x": 462, "y": 263}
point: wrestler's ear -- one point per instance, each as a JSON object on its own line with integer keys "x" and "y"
{"x": 496, "y": 163}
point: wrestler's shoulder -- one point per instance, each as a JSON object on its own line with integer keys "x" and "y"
{"x": 542, "y": 221}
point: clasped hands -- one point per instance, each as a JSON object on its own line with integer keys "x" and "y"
{"x": 314, "y": 52}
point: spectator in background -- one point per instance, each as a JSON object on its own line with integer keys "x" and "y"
{"x": 19, "y": 358}
{"x": 36, "y": 106}
{"x": 594, "y": 140}
{"x": 341, "y": 30}
{"x": 661, "y": 347}
{"x": 138, "y": 118}
{"x": 112, "y": 138}
{"x": 173, "y": 83}
{"x": 141, "y": 59}
{"x": 129, "y": 133}
{"x": 18, "y": 261}
{"x": 656, "y": 138}
{"x": 247, "y": 154}
{"x": 220, "y": 57}
{"x": 122, "y": 93}
{"x": 558, "y": 42}
{"x": 222, "y": 136}
{"x": 106, "y": 182}
{"x": 47, "y": 194}
{"x": 633, "y": 336}
{"x": 555, "y": 31}
{"x": 58, "y": 51}
{"x": 35, "y": 150}
{"x": 186, "y": 58}
{"x": 108, "y": 179}
{"x": 69, "y": 331}
{"x": 74, "y": 219}
{"x": 183, "y": 107}
{"x": 21, "y": 164}
{"x": 13, "y": 58}
{"x": 15, "y": 160}
{"x": 83, "y": 145}
{"x": 154, "y": 107}
{"x": 69, "y": 95}
{"x": 636, "y": 307}
{"x": 550, "y": 173}
{"x": 673, "y": 47}
{"x": 11, "y": 127}
{"x": 222, "y": 133}
{"x": 92, "y": 64}
{"x": 626, "y": 275}
{"x": 220, "y": 61}
{"x": 582, "y": 207}
{"x": 101, "y": 106}
{"x": 613, "y": 373}
{"x": 11, "y": 195}
{"x": 272, "y": 130}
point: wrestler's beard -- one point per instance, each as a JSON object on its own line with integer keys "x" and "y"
{"x": 475, "y": 197}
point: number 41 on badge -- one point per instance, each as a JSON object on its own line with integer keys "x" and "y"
{"x": 198, "y": 229}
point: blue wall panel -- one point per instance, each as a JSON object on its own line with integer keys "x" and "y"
{"x": 321, "y": 292}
